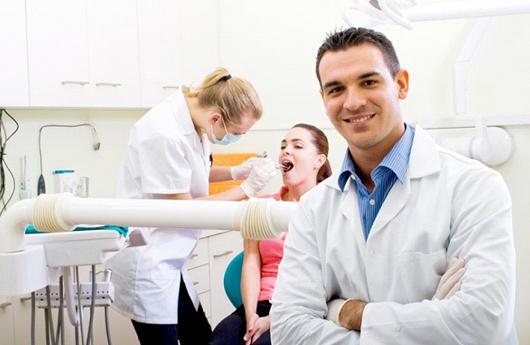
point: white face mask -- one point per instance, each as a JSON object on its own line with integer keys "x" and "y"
{"x": 229, "y": 138}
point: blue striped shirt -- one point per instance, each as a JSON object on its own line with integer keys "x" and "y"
{"x": 393, "y": 167}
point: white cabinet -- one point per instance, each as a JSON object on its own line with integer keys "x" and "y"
{"x": 113, "y": 53}
{"x": 177, "y": 44}
{"x": 13, "y": 55}
{"x": 83, "y": 53}
{"x": 207, "y": 266}
{"x": 7, "y": 332}
{"x": 103, "y": 54}
{"x": 223, "y": 248}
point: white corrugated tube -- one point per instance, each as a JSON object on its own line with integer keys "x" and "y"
{"x": 255, "y": 218}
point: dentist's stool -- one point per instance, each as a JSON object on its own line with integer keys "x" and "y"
{"x": 232, "y": 280}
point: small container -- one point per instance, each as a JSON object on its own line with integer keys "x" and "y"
{"x": 64, "y": 181}
{"x": 82, "y": 187}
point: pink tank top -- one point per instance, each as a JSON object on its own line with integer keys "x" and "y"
{"x": 271, "y": 253}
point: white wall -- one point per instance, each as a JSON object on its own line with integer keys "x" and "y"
{"x": 273, "y": 44}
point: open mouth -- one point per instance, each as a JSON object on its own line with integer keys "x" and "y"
{"x": 287, "y": 166}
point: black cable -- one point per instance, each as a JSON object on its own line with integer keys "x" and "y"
{"x": 3, "y": 164}
{"x": 60, "y": 321}
{"x": 5, "y": 203}
{"x": 33, "y": 318}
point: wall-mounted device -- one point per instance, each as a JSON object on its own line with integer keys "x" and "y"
{"x": 25, "y": 191}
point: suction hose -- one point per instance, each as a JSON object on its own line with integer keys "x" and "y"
{"x": 256, "y": 218}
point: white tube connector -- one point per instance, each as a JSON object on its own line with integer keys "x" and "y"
{"x": 13, "y": 225}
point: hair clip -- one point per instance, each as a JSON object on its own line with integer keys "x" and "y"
{"x": 226, "y": 77}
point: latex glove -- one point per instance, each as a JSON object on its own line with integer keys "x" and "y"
{"x": 260, "y": 174}
{"x": 334, "y": 308}
{"x": 352, "y": 316}
{"x": 450, "y": 282}
{"x": 241, "y": 171}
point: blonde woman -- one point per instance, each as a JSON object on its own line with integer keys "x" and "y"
{"x": 168, "y": 157}
{"x": 304, "y": 152}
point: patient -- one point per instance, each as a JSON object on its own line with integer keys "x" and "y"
{"x": 303, "y": 155}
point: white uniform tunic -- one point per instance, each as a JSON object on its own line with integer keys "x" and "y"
{"x": 164, "y": 156}
{"x": 448, "y": 206}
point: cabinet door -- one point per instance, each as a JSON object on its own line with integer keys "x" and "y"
{"x": 223, "y": 248}
{"x": 198, "y": 39}
{"x": 113, "y": 53}
{"x": 57, "y": 53}
{"x": 7, "y": 333}
{"x": 83, "y": 53}
{"x": 159, "y": 47}
{"x": 177, "y": 43}
{"x": 13, "y": 56}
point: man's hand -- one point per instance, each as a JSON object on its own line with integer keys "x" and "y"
{"x": 351, "y": 314}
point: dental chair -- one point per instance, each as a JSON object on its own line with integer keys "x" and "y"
{"x": 232, "y": 280}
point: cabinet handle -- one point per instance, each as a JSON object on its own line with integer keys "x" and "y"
{"x": 23, "y": 299}
{"x": 194, "y": 255}
{"x": 65, "y": 82}
{"x": 228, "y": 252}
{"x": 108, "y": 84}
{"x": 170, "y": 87}
{"x": 195, "y": 283}
{"x": 5, "y": 304}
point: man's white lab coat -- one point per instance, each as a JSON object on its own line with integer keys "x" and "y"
{"x": 448, "y": 206}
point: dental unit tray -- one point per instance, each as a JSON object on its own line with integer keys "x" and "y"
{"x": 83, "y": 246}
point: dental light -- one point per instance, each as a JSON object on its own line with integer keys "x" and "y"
{"x": 405, "y": 12}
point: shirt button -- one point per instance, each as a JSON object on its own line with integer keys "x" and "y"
{"x": 372, "y": 202}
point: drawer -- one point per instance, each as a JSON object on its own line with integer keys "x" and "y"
{"x": 200, "y": 277}
{"x": 224, "y": 247}
{"x": 199, "y": 256}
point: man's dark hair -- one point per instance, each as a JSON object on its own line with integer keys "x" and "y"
{"x": 342, "y": 40}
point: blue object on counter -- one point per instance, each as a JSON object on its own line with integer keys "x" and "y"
{"x": 123, "y": 230}
{"x": 63, "y": 171}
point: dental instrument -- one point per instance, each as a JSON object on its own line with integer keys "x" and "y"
{"x": 285, "y": 167}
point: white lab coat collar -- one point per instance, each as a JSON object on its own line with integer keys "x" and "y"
{"x": 421, "y": 163}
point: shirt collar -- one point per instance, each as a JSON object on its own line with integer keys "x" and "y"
{"x": 396, "y": 160}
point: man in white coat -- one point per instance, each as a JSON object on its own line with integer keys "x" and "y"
{"x": 367, "y": 247}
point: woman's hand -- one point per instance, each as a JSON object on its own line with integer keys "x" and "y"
{"x": 256, "y": 326}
